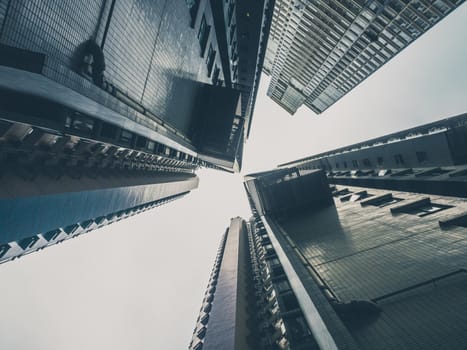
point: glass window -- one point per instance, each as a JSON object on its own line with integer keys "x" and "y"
{"x": 282, "y": 286}
{"x": 203, "y": 34}
{"x": 421, "y": 156}
{"x": 399, "y": 159}
{"x": 193, "y": 5}
{"x": 210, "y": 59}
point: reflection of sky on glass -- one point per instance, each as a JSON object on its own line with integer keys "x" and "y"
{"x": 138, "y": 284}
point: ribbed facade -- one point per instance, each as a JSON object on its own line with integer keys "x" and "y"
{"x": 318, "y": 51}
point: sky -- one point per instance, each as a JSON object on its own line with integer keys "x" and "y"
{"x": 138, "y": 284}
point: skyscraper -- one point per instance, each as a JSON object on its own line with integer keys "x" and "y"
{"x": 108, "y": 108}
{"x": 318, "y": 51}
{"x": 371, "y": 259}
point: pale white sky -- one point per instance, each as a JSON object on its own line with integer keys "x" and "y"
{"x": 138, "y": 284}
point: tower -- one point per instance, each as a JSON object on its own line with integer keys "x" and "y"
{"x": 108, "y": 108}
{"x": 319, "y": 51}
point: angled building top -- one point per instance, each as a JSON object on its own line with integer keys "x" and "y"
{"x": 318, "y": 51}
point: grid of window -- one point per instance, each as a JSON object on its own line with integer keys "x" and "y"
{"x": 140, "y": 56}
{"x": 331, "y": 46}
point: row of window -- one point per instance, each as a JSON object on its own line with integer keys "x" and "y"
{"x": 398, "y": 159}
{"x": 83, "y": 125}
{"x": 203, "y": 35}
{"x": 430, "y": 172}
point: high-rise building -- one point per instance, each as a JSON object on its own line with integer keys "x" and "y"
{"x": 108, "y": 107}
{"x": 318, "y": 51}
{"x": 364, "y": 258}
{"x": 227, "y": 316}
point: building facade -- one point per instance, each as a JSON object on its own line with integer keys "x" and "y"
{"x": 244, "y": 307}
{"x": 368, "y": 257}
{"x": 370, "y": 268}
{"x": 430, "y": 158}
{"x": 318, "y": 51}
{"x": 108, "y": 108}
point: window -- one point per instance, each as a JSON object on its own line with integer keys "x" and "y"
{"x": 71, "y": 229}
{"x": 230, "y": 13}
{"x": 51, "y": 235}
{"x": 381, "y": 201}
{"x": 79, "y": 122}
{"x": 193, "y": 5}
{"x": 421, "y": 208}
{"x": 215, "y": 76}
{"x": 28, "y": 242}
{"x": 380, "y": 160}
{"x": 204, "y": 320}
{"x": 273, "y": 262}
{"x": 290, "y": 302}
{"x": 203, "y": 34}
{"x": 235, "y": 73}
{"x": 297, "y": 327}
{"x": 3, "y": 249}
{"x": 210, "y": 59}
{"x": 232, "y": 33}
{"x": 355, "y": 163}
{"x": 109, "y": 131}
{"x": 126, "y": 137}
{"x": 337, "y": 165}
{"x": 366, "y": 162}
{"x": 398, "y": 158}
{"x": 421, "y": 156}
{"x": 282, "y": 286}
{"x": 345, "y": 164}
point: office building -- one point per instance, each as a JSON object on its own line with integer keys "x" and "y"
{"x": 318, "y": 51}
{"x": 364, "y": 256}
{"x": 108, "y": 108}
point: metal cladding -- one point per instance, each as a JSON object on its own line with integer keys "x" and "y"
{"x": 318, "y": 51}
{"x": 379, "y": 268}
